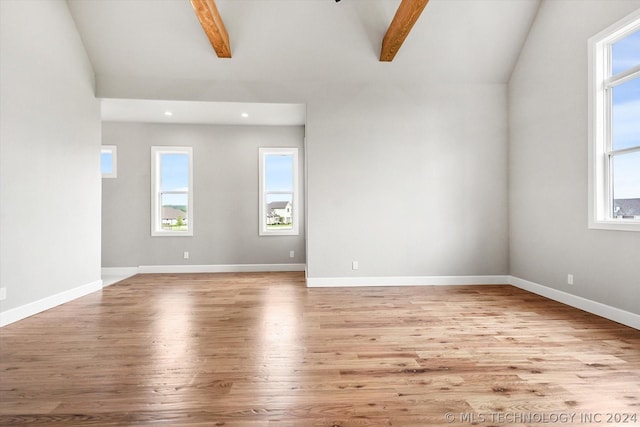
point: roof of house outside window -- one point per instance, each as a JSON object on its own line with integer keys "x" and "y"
{"x": 277, "y": 205}
{"x": 172, "y": 213}
{"x": 628, "y": 207}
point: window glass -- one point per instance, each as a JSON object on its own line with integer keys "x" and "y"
{"x": 279, "y": 172}
{"x": 626, "y": 185}
{"x": 625, "y": 115}
{"x": 174, "y": 172}
{"x": 108, "y": 166}
{"x": 279, "y": 212}
{"x": 175, "y": 212}
{"x": 106, "y": 162}
{"x": 625, "y": 53}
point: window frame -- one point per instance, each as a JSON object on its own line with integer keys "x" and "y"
{"x": 263, "y": 152}
{"x": 114, "y": 160}
{"x": 156, "y": 194}
{"x": 601, "y": 155}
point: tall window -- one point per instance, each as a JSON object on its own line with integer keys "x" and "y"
{"x": 278, "y": 191}
{"x": 109, "y": 161}
{"x": 614, "y": 102}
{"x": 171, "y": 191}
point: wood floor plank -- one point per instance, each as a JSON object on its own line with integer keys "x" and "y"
{"x": 261, "y": 349}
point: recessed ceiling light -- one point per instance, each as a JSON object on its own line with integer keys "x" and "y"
{"x": 245, "y": 115}
{"x": 168, "y": 113}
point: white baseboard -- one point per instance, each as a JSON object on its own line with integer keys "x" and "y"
{"x": 317, "y": 282}
{"x": 220, "y": 268}
{"x": 119, "y": 271}
{"x": 24, "y": 311}
{"x": 213, "y": 268}
{"x": 617, "y": 315}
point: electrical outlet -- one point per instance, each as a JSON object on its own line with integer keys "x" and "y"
{"x": 570, "y": 279}
{"x": 3, "y": 294}
{"x": 185, "y": 255}
{"x": 292, "y": 254}
{"x": 354, "y": 265}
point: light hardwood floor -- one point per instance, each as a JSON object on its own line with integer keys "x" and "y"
{"x": 263, "y": 350}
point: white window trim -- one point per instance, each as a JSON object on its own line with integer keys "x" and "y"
{"x": 599, "y": 180}
{"x": 263, "y": 152}
{"x": 114, "y": 160}
{"x": 156, "y": 209}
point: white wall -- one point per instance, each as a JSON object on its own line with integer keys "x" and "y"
{"x": 417, "y": 169}
{"x": 418, "y": 173}
{"x": 549, "y": 237}
{"x": 225, "y": 163}
{"x": 49, "y": 155}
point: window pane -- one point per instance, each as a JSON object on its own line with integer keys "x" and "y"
{"x": 279, "y": 172}
{"x": 279, "y": 211}
{"x": 626, "y": 185}
{"x": 626, "y": 53}
{"x": 106, "y": 162}
{"x": 174, "y": 212}
{"x": 174, "y": 172}
{"x": 625, "y": 123}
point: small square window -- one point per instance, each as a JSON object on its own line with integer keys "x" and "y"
{"x": 109, "y": 161}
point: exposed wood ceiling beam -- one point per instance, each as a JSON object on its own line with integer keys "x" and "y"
{"x": 407, "y": 14}
{"x": 212, "y": 24}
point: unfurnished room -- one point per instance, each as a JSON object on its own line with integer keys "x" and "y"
{"x": 329, "y": 213}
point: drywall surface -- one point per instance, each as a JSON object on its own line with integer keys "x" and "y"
{"x": 49, "y": 155}
{"x": 549, "y": 238}
{"x": 408, "y": 178}
{"x": 225, "y": 194}
{"x": 413, "y": 178}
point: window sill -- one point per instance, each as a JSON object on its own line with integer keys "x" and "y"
{"x": 172, "y": 234}
{"x": 279, "y": 233}
{"x": 616, "y": 225}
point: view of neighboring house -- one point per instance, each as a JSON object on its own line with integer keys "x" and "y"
{"x": 279, "y": 213}
{"x": 626, "y": 208}
{"x": 172, "y": 216}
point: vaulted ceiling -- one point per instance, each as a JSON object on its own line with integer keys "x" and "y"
{"x": 465, "y": 41}
{"x": 405, "y": 18}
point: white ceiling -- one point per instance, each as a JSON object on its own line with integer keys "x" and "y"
{"x": 281, "y": 42}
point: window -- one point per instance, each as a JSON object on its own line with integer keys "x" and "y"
{"x": 278, "y": 191}
{"x": 171, "y": 191}
{"x": 109, "y": 161}
{"x": 614, "y": 128}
